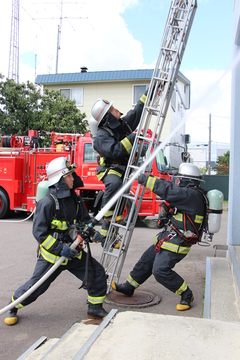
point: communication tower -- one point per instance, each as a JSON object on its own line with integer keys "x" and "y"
{"x": 13, "y": 67}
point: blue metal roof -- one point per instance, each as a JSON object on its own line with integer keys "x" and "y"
{"x": 97, "y": 76}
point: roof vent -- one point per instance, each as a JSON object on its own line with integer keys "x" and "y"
{"x": 84, "y": 69}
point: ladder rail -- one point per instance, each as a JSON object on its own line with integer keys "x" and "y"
{"x": 174, "y": 40}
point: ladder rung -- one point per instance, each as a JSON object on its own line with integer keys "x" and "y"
{"x": 110, "y": 253}
{"x": 141, "y": 137}
{"x": 120, "y": 226}
{"x": 169, "y": 49}
{"x": 127, "y": 196}
{"x": 151, "y": 108}
{"x": 162, "y": 73}
{"x": 162, "y": 78}
{"x": 134, "y": 167}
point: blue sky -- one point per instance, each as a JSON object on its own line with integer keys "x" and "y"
{"x": 209, "y": 45}
{"x": 126, "y": 34}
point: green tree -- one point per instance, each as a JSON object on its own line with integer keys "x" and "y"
{"x": 203, "y": 170}
{"x": 19, "y": 107}
{"x": 60, "y": 114}
{"x": 222, "y": 164}
{"x": 23, "y": 108}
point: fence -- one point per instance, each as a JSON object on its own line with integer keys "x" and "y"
{"x": 219, "y": 182}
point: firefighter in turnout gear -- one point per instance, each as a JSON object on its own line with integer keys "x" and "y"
{"x": 187, "y": 211}
{"x": 54, "y": 227}
{"x": 113, "y": 142}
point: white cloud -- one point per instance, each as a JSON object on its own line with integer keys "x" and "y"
{"x": 93, "y": 34}
{"x": 210, "y": 94}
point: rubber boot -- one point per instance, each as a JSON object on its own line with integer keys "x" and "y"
{"x": 11, "y": 317}
{"x": 96, "y": 311}
{"x": 186, "y": 300}
{"x": 125, "y": 288}
{"x": 119, "y": 219}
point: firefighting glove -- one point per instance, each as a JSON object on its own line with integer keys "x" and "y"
{"x": 67, "y": 252}
{"x": 142, "y": 179}
{"x": 97, "y": 237}
{"x": 92, "y": 234}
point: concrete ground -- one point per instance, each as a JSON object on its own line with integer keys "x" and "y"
{"x": 63, "y": 304}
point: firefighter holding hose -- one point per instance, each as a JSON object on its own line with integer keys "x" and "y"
{"x": 59, "y": 217}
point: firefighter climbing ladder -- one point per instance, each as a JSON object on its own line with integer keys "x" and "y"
{"x": 175, "y": 36}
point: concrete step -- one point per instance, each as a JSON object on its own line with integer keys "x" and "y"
{"x": 72, "y": 345}
{"x": 64, "y": 348}
{"x": 138, "y": 335}
{"x": 221, "y": 300}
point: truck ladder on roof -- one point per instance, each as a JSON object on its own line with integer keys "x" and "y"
{"x": 177, "y": 29}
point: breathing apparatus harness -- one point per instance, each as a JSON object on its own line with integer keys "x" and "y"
{"x": 166, "y": 211}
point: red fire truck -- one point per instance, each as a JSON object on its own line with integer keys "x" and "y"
{"x": 23, "y": 166}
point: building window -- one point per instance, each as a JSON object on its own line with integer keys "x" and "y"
{"x": 77, "y": 95}
{"x": 138, "y": 90}
{"x": 66, "y": 92}
{"x": 74, "y": 94}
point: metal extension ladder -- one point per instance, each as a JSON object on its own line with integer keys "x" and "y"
{"x": 177, "y": 29}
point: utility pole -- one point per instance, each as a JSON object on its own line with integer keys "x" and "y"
{"x": 13, "y": 66}
{"x": 209, "y": 146}
{"x": 59, "y": 38}
{"x": 62, "y": 17}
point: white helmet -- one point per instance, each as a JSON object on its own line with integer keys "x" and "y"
{"x": 57, "y": 168}
{"x": 93, "y": 127}
{"x": 100, "y": 108}
{"x": 189, "y": 171}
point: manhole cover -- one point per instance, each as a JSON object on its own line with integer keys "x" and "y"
{"x": 138, "y": 298}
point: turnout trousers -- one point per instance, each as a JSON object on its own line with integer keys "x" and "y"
{"x": 96, "y": 278}
{"x": 160, "y": 264}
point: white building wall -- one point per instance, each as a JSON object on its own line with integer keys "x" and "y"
{"x": 234, "y": 192}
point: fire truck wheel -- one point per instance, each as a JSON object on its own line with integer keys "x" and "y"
{"x": 4, "y": 204}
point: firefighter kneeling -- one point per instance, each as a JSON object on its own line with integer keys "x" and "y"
{"x": 182, "y": 229}
{"x": 54, "y": 227}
